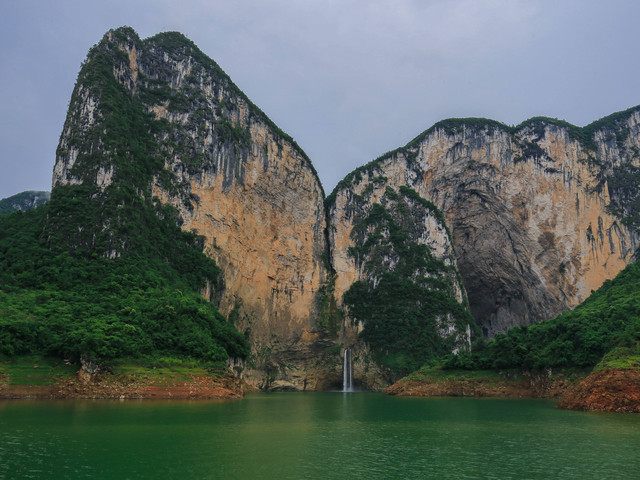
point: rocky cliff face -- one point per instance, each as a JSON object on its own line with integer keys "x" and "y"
{"x": 529, "y": 208}
{"x": 235, "y": 178}
{"x": 526, "y": 220}
{"x": 396, "y": 277}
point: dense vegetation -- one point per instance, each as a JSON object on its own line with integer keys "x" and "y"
{"x": 609, "y": 318}
{"x": 60, "y": 300}
{"x": 623, "y": 181}
{"x": 104, "y": 270}
{"x": 408, "y": 295}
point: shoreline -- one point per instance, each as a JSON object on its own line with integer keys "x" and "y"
{"x": 606, "y": 390}
{"x": 120, "y": 386}
{"x": 89, "y": 392}
{"x": 435, "y": 383}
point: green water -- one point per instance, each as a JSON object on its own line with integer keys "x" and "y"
{"x": 309, "y": 436}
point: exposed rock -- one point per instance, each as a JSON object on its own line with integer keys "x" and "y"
{"x": 485, "y": 384}
{"x": 534, "y": 212}
{"x": 122, "y": 387}
{"x": 527, "y": 208}
{"x": 88, "y": 370}
{"x": 236, "y": 180}
{"x": 607, "y": 390}
{"x": 382, "y": 238}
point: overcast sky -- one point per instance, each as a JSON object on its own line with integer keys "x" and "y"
{"x": 348, "y": 79}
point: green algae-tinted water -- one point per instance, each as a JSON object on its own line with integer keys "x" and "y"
{"x": 315, "y": 435}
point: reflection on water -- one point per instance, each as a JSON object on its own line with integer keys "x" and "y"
{"x": 314, "y": 435}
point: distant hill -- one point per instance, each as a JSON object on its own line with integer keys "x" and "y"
{"x": 23, "y": 201}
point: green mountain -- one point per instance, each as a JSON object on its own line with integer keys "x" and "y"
{"x": 540, "y": 215}
{"x": 184, "y": 223}
{"x": 156, "y": 130}
{"x": 105, "y": 272}
{"x": 23, "y": 201}
{"x": 608, "y": 319}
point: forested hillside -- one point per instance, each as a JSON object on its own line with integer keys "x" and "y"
{"x": 68, "y": 302}
{"x": 104, "y": 271}
{"x": 580, "y": 338}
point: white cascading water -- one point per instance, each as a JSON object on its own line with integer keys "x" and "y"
{"x": 347, "y": 377}
{"x": 345, "y": 372}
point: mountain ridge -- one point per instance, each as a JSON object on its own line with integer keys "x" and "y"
{"x": 583, "y": 134}
{"x": 523, "y": 182}
{"x": 514, "y": 224}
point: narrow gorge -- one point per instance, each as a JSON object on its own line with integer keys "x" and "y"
{"x": 471, "y": 228}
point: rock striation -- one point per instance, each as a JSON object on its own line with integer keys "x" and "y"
{"x": 235, "y": 178}
{"x": 530, "y": 208}
{"x": 396, "y": 277}
{"x": 515, "y": 224}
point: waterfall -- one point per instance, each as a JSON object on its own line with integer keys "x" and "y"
{"x": 345, "y": 371}
{"x": 347, "y": 376}
{"x": 350, "y": 373}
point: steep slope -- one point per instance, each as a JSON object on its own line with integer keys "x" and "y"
{"x": 103, "y": 271}
{"x": 184, "y": 133}
{"x": 613, "y": 386}
{"x": 539, "y": 215}
{"x": 609, "y": 318}
{"x": 23, "y": 201}
{"x": 405, "y": 295}
{"x": 535, "y": 211}
{"x": 65, "y": 300}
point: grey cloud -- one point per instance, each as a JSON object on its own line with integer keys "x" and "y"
{"x": 347, "y": 79}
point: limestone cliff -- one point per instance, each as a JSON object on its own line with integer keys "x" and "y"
{"x": 396, "y": 277}
{"x": 529, "y": 207}
{"x": 526, "y": 220}
{"x": 235, "y": 178}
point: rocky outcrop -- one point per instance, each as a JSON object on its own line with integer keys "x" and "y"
{"x": 483, "y": 384}
{"x": 607, "y": 390}
{"x": 524, "y": 222}
{"x": 529, "y": 210}
{"x": 395, "y": 277}
{"x": 148, "y": 387}
{"x": 235, "y": 179}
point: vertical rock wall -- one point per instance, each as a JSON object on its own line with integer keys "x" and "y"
{"x": 236, "y": 180}
{"x": 527, "y": 208}
{"x": 396, "y": 279}
{"x": 534, "y": 212}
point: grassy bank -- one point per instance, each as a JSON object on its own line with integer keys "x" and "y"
{"x": 34, "y": 370}
{"x": 166, "y": 377}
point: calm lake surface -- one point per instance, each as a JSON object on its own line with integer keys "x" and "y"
{"x": 315, "y": 436}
